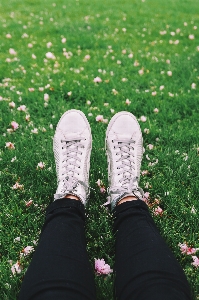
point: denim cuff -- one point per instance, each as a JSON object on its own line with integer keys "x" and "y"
{"x": 65, "y": 203}
{"x": 130, "y": 204}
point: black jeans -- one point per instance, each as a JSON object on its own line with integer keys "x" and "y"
{"x": 145, "y": 267}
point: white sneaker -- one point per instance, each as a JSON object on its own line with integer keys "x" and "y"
{"x": 124, "y": 148}
{"x": 72, "y": 146}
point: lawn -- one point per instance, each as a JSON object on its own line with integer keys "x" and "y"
{"x": 103, "y": 57}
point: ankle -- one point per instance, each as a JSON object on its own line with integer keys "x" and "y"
{"x": 70, "y": 196}
{"x": 127, "y": 198}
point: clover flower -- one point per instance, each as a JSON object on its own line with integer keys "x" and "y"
{"x": 195, "y": 262}
{"x": 16, "y": 268}
{"x": 101, "y": 267}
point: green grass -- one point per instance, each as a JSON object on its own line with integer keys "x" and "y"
{"x": 102, "y": 30}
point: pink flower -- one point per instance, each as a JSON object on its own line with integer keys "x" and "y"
{"x": 158, "y": 211}
{"x": 29, "y": 203}
{"x": 46, "y": 97}
{"x": 195, "y": 262}
{"x": 50, "y": 55}
{"x": 191, "y": 250}
{"x": 169, "y": 73}
{"x": 102, "y": 190}
{"x": 145, "y": 172}
{"x": 35, "y": 130}
{"x": 150, "y": 146}
{"x": 27, "y": 118}
{"x": 12, "y": 104}
{"x": 40, "y": 165}
{"x": 146, "y": 196}
{"x": 193, "y": 86}
{"x": 141, "y": 72}
{"x": 156, "y": 110}
{"x": 49, "y": 44}
{"x": 27, "y": 250}
{"x": 97, "y": 79}
{"x": 99, "y": 118}
{"x": 191, "y": 37}
{"x": 8, "y": 36}
{"x": 101, "y": 186}
{"x": 143, "y": 118}
{"x": 183, "y": 248}
{"x": 22, "y": 108}
{"x": 128, "y": 102}
{"x": 98, "y": 182}
{"x": 101, "y": 267}
{"x": 16, "y": 268}
{"x": 10, "y": 145}
{"x": 87, "y": 57}
{"x": 31, "y": 89}
{"x": 17, "y": 186}
{"x": 12, "y": 51}
{"x": 14, "y": 125}
{"x": 63, "y": 40}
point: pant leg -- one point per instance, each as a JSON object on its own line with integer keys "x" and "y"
{"x": 60, "y": 268}
{"x": 145, "y": 267}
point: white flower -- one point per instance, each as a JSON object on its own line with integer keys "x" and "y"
{"x": 128, "y": 102}
{"x": 27, "y": 250}
{"x": 114, "y": 91}
{"x": 87, "y": 57}
{"x": 35, "y": 130}
{"x": 50, "y": 55}
{"x": 41, "y": 165}
{"x": 12, "y": 51}
{"x": 143, "y": 118}
{"x": 193, "y": 86}
{"x": 169, "y": 73}
{"x": 12, "y": 104}
{"x": 16, "y": 268}
{"x": 49, "y": 44}
{"x": 99, "y": 118}
{"x": 97, "y": 79}
{"x": 13, "y": 159}
{"x": 46, "y": 97}
{"x": 191, "y": 37}
{"x": 141, "y": 72}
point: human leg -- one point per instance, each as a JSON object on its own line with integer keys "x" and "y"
{"x": 145, "y": 268}
{"x": 60, "y": 268}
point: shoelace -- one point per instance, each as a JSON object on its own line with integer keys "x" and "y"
{"x": 72, "y": 146}
{"x": 129, "y": 184}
